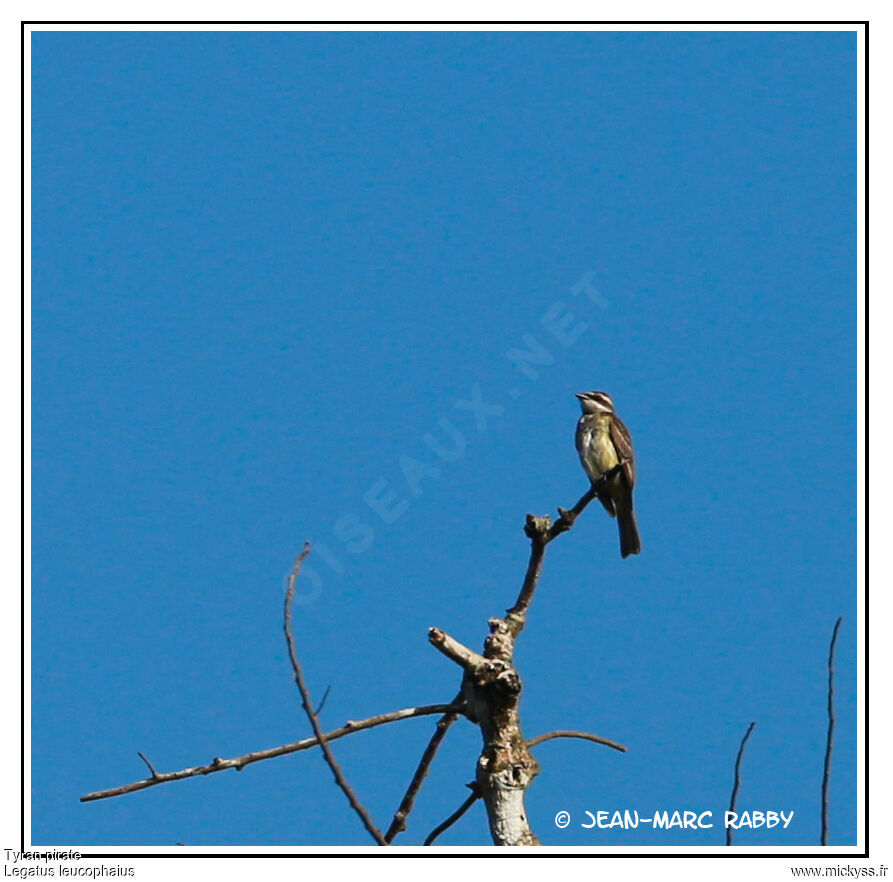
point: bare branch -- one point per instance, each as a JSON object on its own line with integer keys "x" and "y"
{"x": 322, "y": 701}
{"x": 142, "y": 756}
{"x": 472, "y": 799}
{"x": 826, "y": 776}
{"x": 570, "y": 733}
{"x": 492, "y": 690}
{"x": 398, "y": 824}
{"x": 536, "y": 529}
{"x": 355, "y": 804}
{"x": 490, "y": 698}
{"x": 737, "y": 783}
{"x": 541, "y": 532}
{"x": 239, "y": 762}
{"x": 456, "y": 651}
{"x": 566, "y": 518}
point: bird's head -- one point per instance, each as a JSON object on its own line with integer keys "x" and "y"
{"x": 595, "y": 402}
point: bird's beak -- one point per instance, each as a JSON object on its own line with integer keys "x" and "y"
{"x": 580, "y": 395}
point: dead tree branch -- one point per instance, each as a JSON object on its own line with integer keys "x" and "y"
{"x": 238, "y": 763}
{"x": 737, "y": 782}
{"x": 489, "y": 697}
{"x": 398, "y": 824}
{"x": 322, "y": 701}
{"x": 492, "y": 689}
{"x": 472, "y": 799}
{"x": 829, "y": 744}
{"x": 355, "y": 804}
{"x": 454, "y": 650}
{"x": 541, "y": 531}
{"x": 505, "y": 768}
{"x": 570, "y": 733}
{"x": 145, "y": 759}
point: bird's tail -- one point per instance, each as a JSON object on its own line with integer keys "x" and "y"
{"x": 629, "y": 533}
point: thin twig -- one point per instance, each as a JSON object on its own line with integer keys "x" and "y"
{"x": 570, "y": 733}
{"x": 826, "y": 776}
{"x": 472, "y": 799}
{"x": 737, "y": 782}
{"x": 143, "y": 757}
{"x": 398, "y": 824}
{"x": 322, "y": 701}
{"x": 239, "y": 762}
{"x": 355, "y": 804}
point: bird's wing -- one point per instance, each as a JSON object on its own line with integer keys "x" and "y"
{"x": 624, "y": 446}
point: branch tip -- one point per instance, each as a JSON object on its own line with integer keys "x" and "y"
{"x": 829, "y": 743}
{"x": 142, "y": 756}
{"x": 737, "y": 782}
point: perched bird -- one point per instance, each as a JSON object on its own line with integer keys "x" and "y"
{"x": 603, "y": 442}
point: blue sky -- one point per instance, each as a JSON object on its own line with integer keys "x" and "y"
{"x": 267, "y": 265}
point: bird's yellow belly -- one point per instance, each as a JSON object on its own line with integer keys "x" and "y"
{"x": 603, "y": 452}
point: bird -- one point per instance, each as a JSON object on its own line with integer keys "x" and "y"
{"x": 603, "y": 443}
